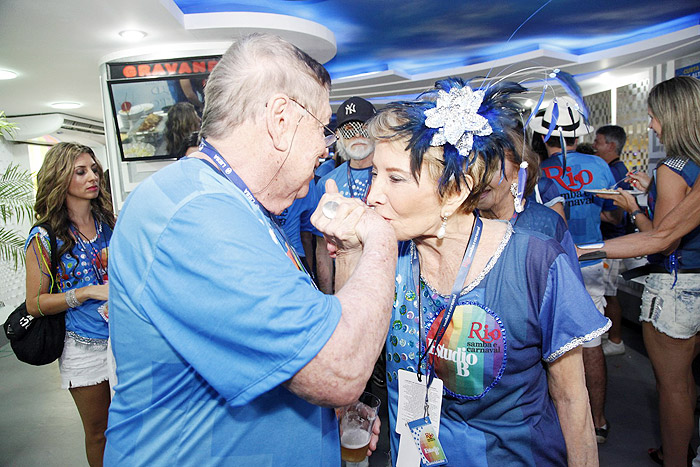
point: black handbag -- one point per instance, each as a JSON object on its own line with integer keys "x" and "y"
{"x": 38, "y": 341}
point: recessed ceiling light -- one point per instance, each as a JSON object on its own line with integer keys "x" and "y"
{"x": 132, "y": 34}
{"x": 66, "y": 105}
{"x": 7, "y": 74}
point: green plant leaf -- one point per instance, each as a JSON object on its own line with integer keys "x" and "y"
{"x": 16, "y": 194}
{"x": 7, "y": 128}
{"x": 11, "y": 247}
{"x": 16, "y": 203}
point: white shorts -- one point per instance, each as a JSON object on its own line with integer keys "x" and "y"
{"x": 674, "y": 312}
{"x": 611, "y": 271}
{"x": 595, "y": 286}
{"x": 83, "y": 362}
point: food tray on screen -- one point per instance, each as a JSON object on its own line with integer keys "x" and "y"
{"x": 139, "y": 150}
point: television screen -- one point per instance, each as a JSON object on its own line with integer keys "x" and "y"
{"x": 156, "y": 116}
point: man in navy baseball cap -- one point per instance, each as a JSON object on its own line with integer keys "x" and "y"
{"x": 354, "y": 176}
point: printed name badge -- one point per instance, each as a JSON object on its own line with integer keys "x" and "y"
{"x": 411, "y": 408}
{"x": 471, "y": 358}
{"x": 427, "y": 442}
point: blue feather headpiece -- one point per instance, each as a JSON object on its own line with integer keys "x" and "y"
{"x": 465, "y": 122}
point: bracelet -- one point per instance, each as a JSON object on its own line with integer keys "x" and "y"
{"x": 634, "y": 214}
{"x": 71, "y": 300}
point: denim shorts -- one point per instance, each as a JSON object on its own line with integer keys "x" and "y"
{"x": 674, "y": 312}
{"x": 593, "y": 279}
{"x": 84, "y": 361}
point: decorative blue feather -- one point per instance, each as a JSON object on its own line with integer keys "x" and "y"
{"x": 572, "y": 88}
{"x": 501, "y": 111}
{"x": 537, "y": 106}
{"x": 553, "y": 123}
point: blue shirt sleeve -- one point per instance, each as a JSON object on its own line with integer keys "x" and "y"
{"x": 568, "y": 317}
{"x": 608, "y": 204}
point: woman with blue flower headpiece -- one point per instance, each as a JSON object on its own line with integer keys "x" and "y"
{"x": 484, "y": 360}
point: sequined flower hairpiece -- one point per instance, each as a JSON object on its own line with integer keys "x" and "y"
{"x": 456, "y": 118}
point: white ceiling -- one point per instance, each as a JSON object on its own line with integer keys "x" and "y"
{"x": 58, "y": 46}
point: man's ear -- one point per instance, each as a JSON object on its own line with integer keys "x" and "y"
{"x": 278, "y": 119}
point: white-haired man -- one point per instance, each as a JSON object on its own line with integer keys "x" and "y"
{"x": 353, "y": 177}
{"x": 226, "y": 353}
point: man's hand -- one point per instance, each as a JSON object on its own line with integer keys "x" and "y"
{"x": 376, "y": 428}
{"x": 349, "y": 227}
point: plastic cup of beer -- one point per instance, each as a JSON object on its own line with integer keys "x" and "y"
{"x": 356, "y": 423}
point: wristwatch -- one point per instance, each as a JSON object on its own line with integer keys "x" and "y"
{"x": 633, "y": 215}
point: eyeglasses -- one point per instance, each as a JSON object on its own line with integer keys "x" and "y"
{"x": 353, "y": 128}
{"x": 328, "y": 139}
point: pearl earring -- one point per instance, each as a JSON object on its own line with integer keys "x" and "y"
{"x": 443, "y": 228}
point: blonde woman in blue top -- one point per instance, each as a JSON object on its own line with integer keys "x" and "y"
{"x": 72, "y": 199}
{"x": 671, "y": 299}
{"x": 506, "y": 341}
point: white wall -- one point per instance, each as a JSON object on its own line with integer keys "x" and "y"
{"x": 12, "y": 288}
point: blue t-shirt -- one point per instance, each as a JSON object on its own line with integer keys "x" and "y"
{"x": 297, "y": 218}
{"x": 359, "y": 188}
{"x": 526, "y": 308}
{"x": 583, "y": 172}
{"x": 688, "y": 251}
{"x": 619, "y": 171}
{"x": 209, "y": 317}
{"x": 549, "y": 195}
{"x": 79, "y": 268}
{"x": 539, "y": 218}
{"x": 325, "y": 168}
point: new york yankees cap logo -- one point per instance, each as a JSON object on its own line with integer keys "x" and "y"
{"x": 355, "y": 109}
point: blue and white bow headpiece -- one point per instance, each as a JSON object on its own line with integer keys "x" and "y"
{"x": 456, "y": 119}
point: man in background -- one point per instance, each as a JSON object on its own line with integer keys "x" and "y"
{"x": 608, "y": 144}
{"x": 573, "y": 174}
{"x": 353, "y": 177}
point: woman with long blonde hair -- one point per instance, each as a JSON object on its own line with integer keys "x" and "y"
{"x": 671, "y": 299}
{"x": 72, "y": 199}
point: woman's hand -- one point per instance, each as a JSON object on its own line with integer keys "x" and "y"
{"x": 622, "y": 200}
{"x": 95, "y": 292}
{"x": 638, "y": 180}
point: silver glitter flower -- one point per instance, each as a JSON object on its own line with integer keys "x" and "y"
{"x": 456, "y": 118}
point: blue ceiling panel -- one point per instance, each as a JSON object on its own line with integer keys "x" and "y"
{"x": 419, "y": 36}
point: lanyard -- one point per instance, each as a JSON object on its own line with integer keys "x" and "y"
{"x": 229, "y": 173}
{"x": 449, "y": 311}
{"x": 101, "y": 271}
{"x": 207, "y": 149}
{"x": 351, "y": 181}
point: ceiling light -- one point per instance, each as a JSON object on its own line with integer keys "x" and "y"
{"x": 132, "y": 34}
{"x": 7, "y": 74}
{"x": 66, "y": 105}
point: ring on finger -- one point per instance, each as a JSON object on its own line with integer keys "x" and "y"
{"x": 329, "y": 209}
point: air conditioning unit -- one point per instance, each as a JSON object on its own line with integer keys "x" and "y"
{"x": 60, "y": 126}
